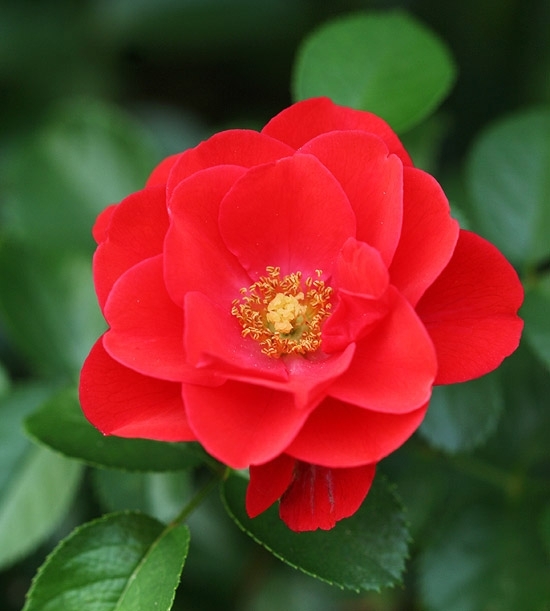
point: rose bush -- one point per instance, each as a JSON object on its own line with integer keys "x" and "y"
{"x": 289, "y": 298}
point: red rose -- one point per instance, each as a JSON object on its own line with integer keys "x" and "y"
{"x": 289, "y": 298}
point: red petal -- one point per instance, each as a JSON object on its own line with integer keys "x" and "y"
{"x": 310, "y": 378}
{"x": 196, "y": 258}
{"x": 159, "y": 176}
{"x": 241, "y": 424}
{"x": 146, "y": 326}
{"x": 136, "y": 232}
{"x": 268, "y": 483}
{"x": 337, "y": 434}
{"x": 362, "y": 281}
{"x": 119, "y": 401}
{"x": 372, "y": 180}
{"x": 101, "y": 225}
{"x": 428, "y": 236}
{"x": 318, "y": 497}
{"x": 303, "y": 121}
{"x": 470, "y": 311}
{"x": 292, "y": 214}
{"x": 360, "y": 270}
{"x": 394, "y": 366}
{"x": 214, "y": 343}
{"x": 240, "y": 147}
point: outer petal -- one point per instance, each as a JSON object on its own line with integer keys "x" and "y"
{"x": 337, "y": 434}
{"x": 159, "y": 176}
{"x": 240, "y": 147}
{"x": 119, "y": 401}
{"x": 136, "y": 231}
{"x": 146, "y": 326}
{"x": 428, "y": 236}
{"x": 304, "y": 120}
{"x": 318, "y": 497}
{"x": 291, "y": 213}
{"x": 196, "y": 258}
{"x": 241, "y": 424}
{"x": 394, "y": 366}
{"x": 372, "y": 180}
{"x": 268, "y": 483}
{"x": 470, "y": 311}
{"x": 101, "y": 225}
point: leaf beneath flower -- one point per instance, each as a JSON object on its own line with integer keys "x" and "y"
{"x": 462, "y": 416}
{"x": 487, "y": 559}
{"x": 61, "y": 425}
{"x": 36, "y": 486}
{"x": 364, "y": 552}
{"x": 120, "y": 562}
{"x": 537, "y": 322}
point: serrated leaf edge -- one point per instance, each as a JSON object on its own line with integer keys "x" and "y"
{"x": 79, "y": 529}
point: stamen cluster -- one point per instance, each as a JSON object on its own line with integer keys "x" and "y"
{"x": 284, "y": 314}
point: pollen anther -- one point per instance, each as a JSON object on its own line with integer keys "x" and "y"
{"x": 284, "y": 314}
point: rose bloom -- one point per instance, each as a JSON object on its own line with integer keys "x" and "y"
{"x": 288, "y": 299}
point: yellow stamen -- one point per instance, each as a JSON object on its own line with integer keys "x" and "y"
{"x": 281, "y": 314}
{"x": 285, "y": 312}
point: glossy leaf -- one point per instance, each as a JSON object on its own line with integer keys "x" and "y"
{"x": 545, "y": 528}
{"x": 423, "y": 484}
{"x": 507, "y": 175}
{"x": 61, "y": 425}
{"x": 364, "y": 552}
{"x": 522, "y": 438}
{"x": 120, "y": 562}
{"x": 487, "y": 559}
{"x": 536, "y": 313}
{"x": 462, "y": 416}
{"x": 386, "y": 63}
{"x": 4, "y": 381}
{"x": 36, "y": 485}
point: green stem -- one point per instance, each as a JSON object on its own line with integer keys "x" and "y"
{"x": 513, "y": 484}
{"x": 200, "y": 495}
{"x": 510, "y": 483}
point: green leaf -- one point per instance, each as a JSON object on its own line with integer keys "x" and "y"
{"x": 522, "y": 439}
{"x": 121, "y": 562}
{"x": 61, "y": 425}
{"x": 364, "y": 552}
{"x": 160, "y": 495}
{"x": 488, "y": 558}
{"x": 387, "y": 63}
{"x": 49, "y": 307}
{"x": 462, "y": 416}
{"x": 36, "y": 485}
{"x": 545, "y": 528}
{"x": 534, "y": 312}
{"x": 39, "y": 497}
{"x": 4, "y": 381}
{"x": 86, "y": 157}
{"x": 423, "y": 480}
{"x": 509, "y": 181}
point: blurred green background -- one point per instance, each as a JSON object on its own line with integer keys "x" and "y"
{"x": 92, "y": 95}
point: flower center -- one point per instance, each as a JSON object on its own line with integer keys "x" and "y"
{"x": 284, "y": 314}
